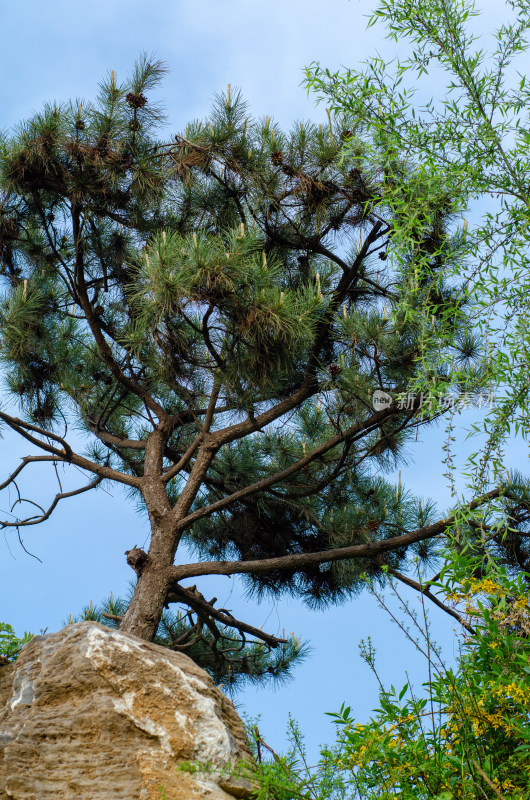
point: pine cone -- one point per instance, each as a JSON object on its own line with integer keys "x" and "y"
{"x": 334, "y": 370}
{"x": 136, "y": 100}
{"x": 373, "y": 525}
{"x": 277, "y": 158}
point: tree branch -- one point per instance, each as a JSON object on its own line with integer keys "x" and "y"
{"x": 65, "y": 454}
{"x": 195, "y": 600}
{"x": 46, "y": 514}
{"x": 102, "y": 344}
{"x": 242, "y": 429}
{"x": 109, "y": 438}
{"x": 298, "y": 561}
{"x": 25, "y": 461}
{"x": 180, "y": 463}
{"x": 425, "y": 590}
{"x": 364, "y": 427}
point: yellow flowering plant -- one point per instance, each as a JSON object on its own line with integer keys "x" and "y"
{"x": 468, "y": 735}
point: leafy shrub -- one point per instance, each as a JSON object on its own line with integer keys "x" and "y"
{"x": 468, "y": 736}
{"x": 11, "y": 645}
{"x": 465, "y": 737}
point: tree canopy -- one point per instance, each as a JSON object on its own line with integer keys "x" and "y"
{"x": 219, "y": 313}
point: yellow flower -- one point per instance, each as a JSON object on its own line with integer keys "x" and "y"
{"x": 489, "y": 587}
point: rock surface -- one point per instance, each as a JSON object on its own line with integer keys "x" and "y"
{"x": 91, "y": 713}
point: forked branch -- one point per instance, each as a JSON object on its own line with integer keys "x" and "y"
{"x": 424, "y": 589}
{"x": 37, "y": 519}
{"x": 194, "y": 599}
{"x": 60, "y": 450}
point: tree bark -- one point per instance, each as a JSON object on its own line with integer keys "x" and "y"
{"x": 153, "y": 570}
{"x": 145, "y": 609}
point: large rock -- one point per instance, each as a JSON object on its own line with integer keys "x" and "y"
{"x": 90, "y": 713}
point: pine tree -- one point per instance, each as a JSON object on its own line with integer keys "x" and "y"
{"x": 216, "y": 312}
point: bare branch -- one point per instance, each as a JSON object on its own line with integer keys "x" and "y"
{"x": 210, "y": 411}
{"x": 425, "y": 590}
{"x": 46, "y": 514}
{"x": 65, "y": 454}
{"x": 114, "y": 617}
{"x": 109, "y": 438}
{"x": 242, "y": 429}
{"x": 181, "y": 463}
{"x": 25, "y": 461}
{"x": 16, "y": 424}
{"x": 204, "y": 429}
{"x": 195, "y": 600}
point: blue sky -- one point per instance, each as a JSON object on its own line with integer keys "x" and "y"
{"x": 58, "y": 51}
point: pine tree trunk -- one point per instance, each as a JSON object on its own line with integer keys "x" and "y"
{"x": 145, "y": 609}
